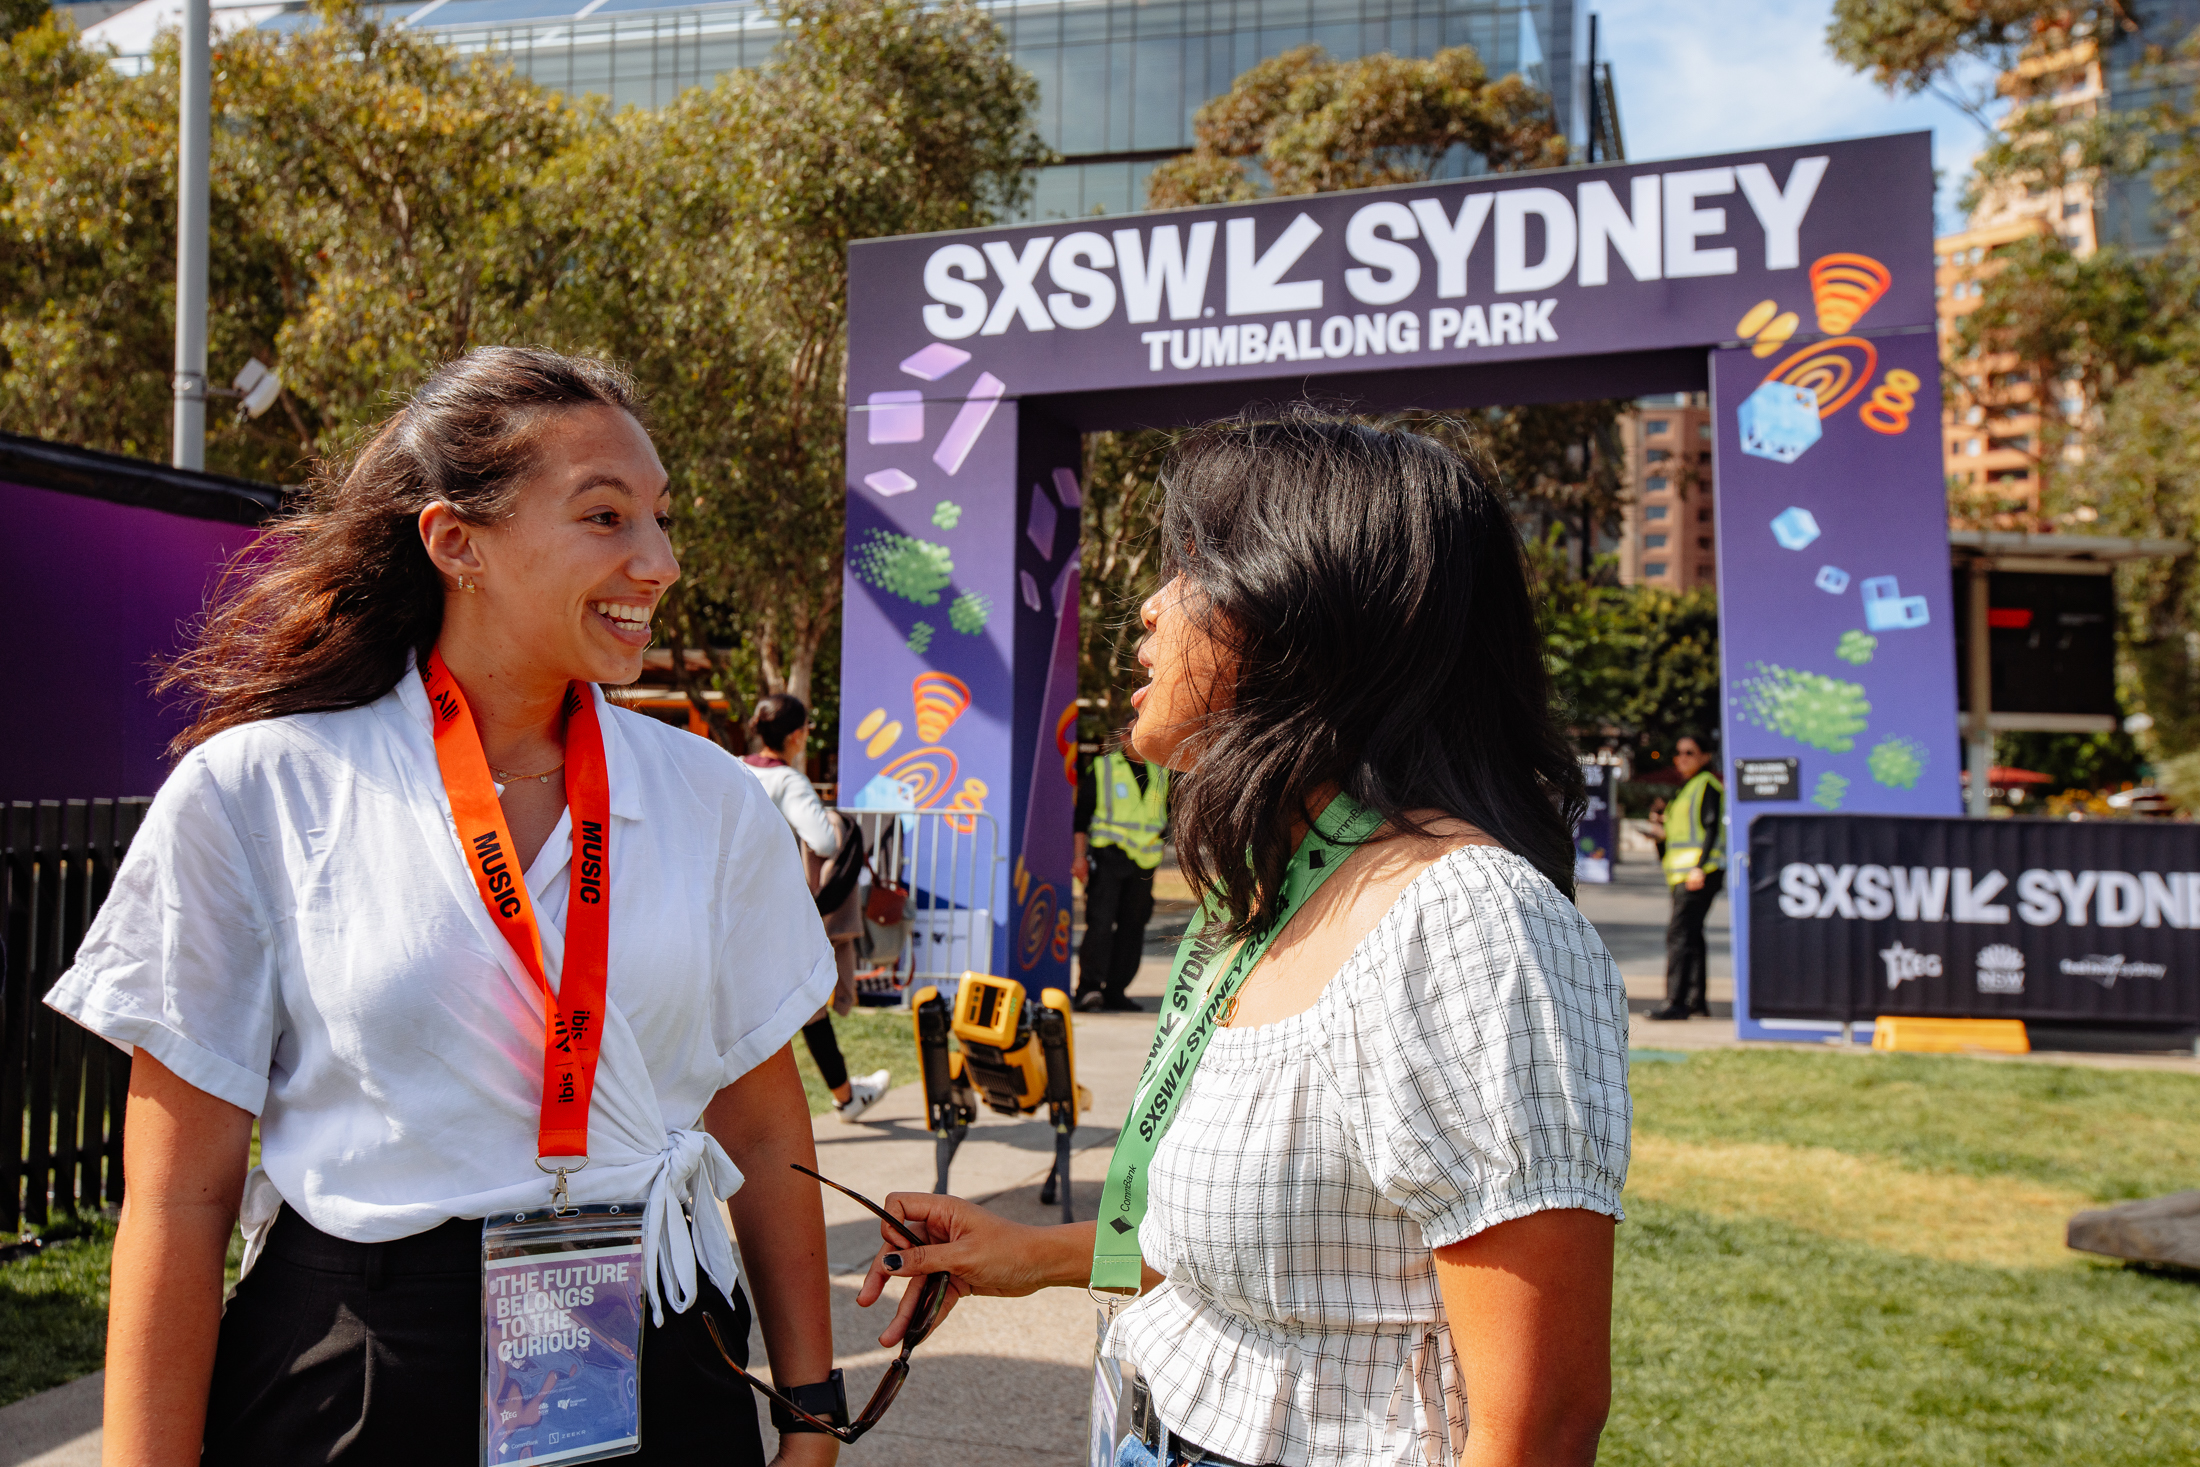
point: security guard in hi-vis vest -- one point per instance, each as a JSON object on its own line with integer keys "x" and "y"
{"x": 1122, "y": 813}
{"x": 1695, "y": 870}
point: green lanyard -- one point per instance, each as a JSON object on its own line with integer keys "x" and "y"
{"x": 1188, "y": 1019}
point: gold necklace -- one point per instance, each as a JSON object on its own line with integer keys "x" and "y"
{"x": 503, "y": 777}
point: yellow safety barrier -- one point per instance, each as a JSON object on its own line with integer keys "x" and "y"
{"x": 1950, "y": 1036}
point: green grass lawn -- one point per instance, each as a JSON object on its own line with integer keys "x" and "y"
{"x": 53, "y": 1307}
{"x": 870, "y": 1039}
{"x": 1856, "y": 1259}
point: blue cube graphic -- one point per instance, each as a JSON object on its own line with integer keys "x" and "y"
{"x": 1886, "y": 609}
{"x": 1832, "y": 579}
{"x": 1779, "y": 421}
{"x": 1794, "y": 527}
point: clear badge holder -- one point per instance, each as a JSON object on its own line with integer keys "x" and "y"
{"x": 562, "y": 1295}
{"x": 1125, "y": 1429}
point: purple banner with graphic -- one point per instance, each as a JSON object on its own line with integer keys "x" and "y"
{"x": 1836, "y": 626}
{"x": 1506, "y": 267}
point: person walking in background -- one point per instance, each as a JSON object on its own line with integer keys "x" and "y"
{"x": 1695, "y": 869}
{"x": 1122, "y": 813}
{"x": 782, "y": 725}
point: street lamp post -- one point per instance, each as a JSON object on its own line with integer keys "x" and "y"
{"x": 194, "y": 146}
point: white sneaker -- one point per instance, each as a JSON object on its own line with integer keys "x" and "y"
{"x": 862, "y": 1095}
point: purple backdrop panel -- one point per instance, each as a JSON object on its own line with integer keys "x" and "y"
{"x": 929, "y": 633}
{"x": 1628, "y": 258}
{"x": 1049, "y": 504}
{"x": 1836, "y": 626}
{"x": 121, "y": 584}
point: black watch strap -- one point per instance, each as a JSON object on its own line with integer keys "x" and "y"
{"x": 827, "y": 1399}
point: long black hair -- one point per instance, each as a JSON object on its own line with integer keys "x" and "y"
{"x": 1373, "y": 592}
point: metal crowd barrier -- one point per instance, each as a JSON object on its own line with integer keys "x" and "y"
{"x": 947, "y": 862}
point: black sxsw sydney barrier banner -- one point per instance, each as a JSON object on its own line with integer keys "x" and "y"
{"x": 1854, "y": 916}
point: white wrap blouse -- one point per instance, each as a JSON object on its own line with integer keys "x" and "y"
{"x": 295, "y": 931}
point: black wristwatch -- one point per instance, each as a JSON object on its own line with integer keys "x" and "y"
{"x": 826, "y": 1399}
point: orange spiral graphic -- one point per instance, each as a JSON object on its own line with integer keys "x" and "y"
{"x": 1061, "y": 937}
{"x": 924, "y": 775}
{"x": 1065, "y": 742}
{"x": 1888, "y": 410}
{"x": 940, "y": 699}
{"x": 1844, "y": 288}
{"x": 1036, "y": 931}
{"x": 1834, "y": 370}
{"x": 970, "y": 797}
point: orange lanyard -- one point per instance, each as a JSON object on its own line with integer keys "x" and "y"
{"x": 573, "y": 1034}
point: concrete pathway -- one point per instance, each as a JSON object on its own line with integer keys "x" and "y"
{"x": 56, "y": 1428}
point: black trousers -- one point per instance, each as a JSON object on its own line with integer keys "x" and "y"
{"x": 371, "y": 1353}
{"x": 1118, "y": 904}
{"x": 1687, "y": 966}
{"x": 824, "y": 1045}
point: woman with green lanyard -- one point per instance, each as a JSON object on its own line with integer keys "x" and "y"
{"x": 505, "y": 974}
{"x": 1367, "y": 1187}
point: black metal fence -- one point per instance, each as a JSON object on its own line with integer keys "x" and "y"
{"x": 62, "y": 1089}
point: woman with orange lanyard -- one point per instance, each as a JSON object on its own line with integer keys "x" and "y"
{"x": 470, "y": 943}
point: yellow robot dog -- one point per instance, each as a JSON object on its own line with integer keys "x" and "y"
{"x": 1019, "y": 1055}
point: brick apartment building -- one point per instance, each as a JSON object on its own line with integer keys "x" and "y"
{"x": 1666, "y": 538}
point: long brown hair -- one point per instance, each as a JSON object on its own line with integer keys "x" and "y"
{"x": 320, "y": 610}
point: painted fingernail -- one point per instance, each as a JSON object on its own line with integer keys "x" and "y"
{"x": 893, "y": 1260}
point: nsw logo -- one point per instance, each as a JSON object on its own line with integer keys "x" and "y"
{"x": 1904, "y": 964}
{"x": 2000, "y": 969}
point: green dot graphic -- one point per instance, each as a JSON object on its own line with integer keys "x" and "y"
{"x": 946, "y": 514}
{"x": 920, "y": 637}
{"x": 1856, "y": 647}
{"x": 970, "y": 613}
{"x": 915, "y": 570}
{"x": 1897, "y": 762}
{"x": 1808, "y": 707}
{"x": 1831, "y": 788}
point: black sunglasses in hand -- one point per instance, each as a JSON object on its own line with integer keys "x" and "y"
{"x": 929, "y": 1304}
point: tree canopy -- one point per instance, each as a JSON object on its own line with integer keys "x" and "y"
{"x": 381, "y": 205}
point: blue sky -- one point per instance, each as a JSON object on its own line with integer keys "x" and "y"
{"x": 1713, "y": 76}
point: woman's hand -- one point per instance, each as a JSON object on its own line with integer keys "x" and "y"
{"x": 985, "y": 1254}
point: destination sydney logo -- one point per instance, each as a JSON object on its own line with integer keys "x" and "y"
{"x": 2105, "y": 969}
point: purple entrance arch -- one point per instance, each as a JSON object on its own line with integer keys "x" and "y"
{"x": 1794, "y": 284}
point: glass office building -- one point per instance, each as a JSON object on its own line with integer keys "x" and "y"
{"x": 1119, "y": 80}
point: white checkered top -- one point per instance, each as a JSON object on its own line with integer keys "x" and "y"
{"x": 1466, "y": 1066}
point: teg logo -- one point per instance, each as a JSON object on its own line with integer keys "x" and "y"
{"x": 1904, "y": 964}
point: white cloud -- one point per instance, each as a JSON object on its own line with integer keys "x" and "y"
{"x": 1716, "y": 76}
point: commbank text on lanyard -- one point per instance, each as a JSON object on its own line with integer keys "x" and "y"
{"x": 573, "y": 1028}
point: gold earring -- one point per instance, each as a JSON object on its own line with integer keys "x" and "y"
{"x": 467, "y": 582}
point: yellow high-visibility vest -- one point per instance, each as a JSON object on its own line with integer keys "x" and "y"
{"x": 1684, "y": 832}
{"x": 1125, "y": 816}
